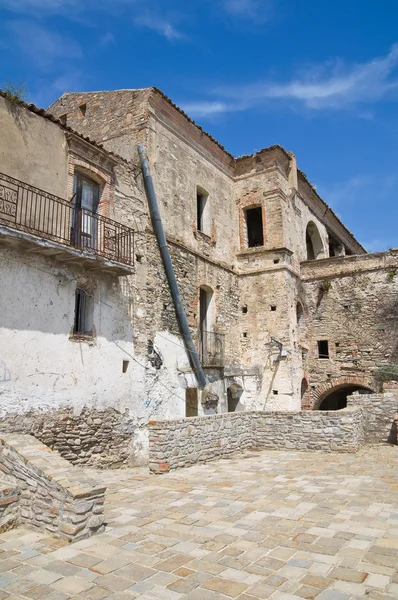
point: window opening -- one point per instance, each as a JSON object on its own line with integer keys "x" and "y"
{"x": 63, "y": 119}
{"x": 244, "y": 309}
{"x": 83, "y": 324}
{"x": 203, "y": 223}
{"x": 125, "y": 366}
{"x": 273, "y": 307}
{"x": 254, "y": 227}
{"x": 314, "y": 243}
{"x": 323, "y": 349}
{"x": 83, "y": 108}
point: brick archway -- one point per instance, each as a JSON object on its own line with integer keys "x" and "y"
{"x": 324, "y": 389}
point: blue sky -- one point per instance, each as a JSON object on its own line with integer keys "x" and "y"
{"x": 320, "y": 78}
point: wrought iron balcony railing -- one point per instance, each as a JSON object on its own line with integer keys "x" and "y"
{"x": 31, "y": 210}
{"x": 211, "y": 348}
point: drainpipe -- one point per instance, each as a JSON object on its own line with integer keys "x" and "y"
{"x": 168, "y": 267}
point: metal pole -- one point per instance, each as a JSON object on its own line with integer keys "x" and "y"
{"x": 168, "y": 267}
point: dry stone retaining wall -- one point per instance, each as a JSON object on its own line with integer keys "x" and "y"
{"x": 97, "y": 438}
{"x": 183, "y": 442}
{"x": 379, "y": 413}
{"x": 50, "y": 493}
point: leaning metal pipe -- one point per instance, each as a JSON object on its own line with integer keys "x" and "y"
{"x": 168, "y": 267}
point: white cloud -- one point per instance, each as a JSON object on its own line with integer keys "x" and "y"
{"x": 331, "y": 86}
{"x": 160, "y": 25}
{"x": 204, "y": 109}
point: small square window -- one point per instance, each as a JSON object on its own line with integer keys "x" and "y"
{"x": 323, "y": 349}
{"x": 273, "y": 307}
{"x": 84, "y": 309}
{"x": 244, "y": 309}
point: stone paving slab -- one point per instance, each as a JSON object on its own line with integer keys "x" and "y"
{"x": 279, "y": 525}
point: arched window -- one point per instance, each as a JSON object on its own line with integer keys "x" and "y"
{"x": 314, "y": 243}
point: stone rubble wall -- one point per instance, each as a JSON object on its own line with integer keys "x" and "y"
{"x": 379, "y": 412}
{"x": 328, "y": 431}
{"x": 183, "y": 442}
{"x": 94, "y": 438}
{"x": 9, "y": 502}
{"x": 52, "y": 494}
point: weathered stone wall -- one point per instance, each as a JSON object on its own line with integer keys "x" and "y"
{"x": 180, "y": 443}
{"x": 329, "y": 431}
{"x": 53, "y": 495}
{"x": 95, "y": 438}
{"x": 9, "y": 501}
{"x": 352, "y": 302}
{"x": 379, "y": 414}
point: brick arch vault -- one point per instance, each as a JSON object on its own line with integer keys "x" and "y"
{"x": 335, "y": 383}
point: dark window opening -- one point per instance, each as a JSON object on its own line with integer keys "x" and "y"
{"x": 63, "y": 119}
{"x": 275, "y": 392}
{"x": 202, "y": 216}
{"x": 191, "y": 402}
{"x": 245, "y": 334}
{"x": 299, "y": 313}
{"x": 125, "y": 366}
{"x": 83, "y": 324}
{"x": 254, "y": 227}
{"x": 323, "y": 349}
{"x": 276, "y": 261}
{"x": 273, "y": 308}
{"x": 244, "y": 309}
{"x": 83, "y": 108}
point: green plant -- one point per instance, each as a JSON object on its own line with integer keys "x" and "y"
{"x": 387, "y": 373}
{"x": 391, "y": 275}
{"x": 326, "y": 285}
{"x": 15, "y": 93}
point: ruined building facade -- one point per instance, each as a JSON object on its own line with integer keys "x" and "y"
{"x": 286, "y": 309}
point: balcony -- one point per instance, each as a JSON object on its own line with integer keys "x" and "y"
{"x": 211, "y": 349}
{"x": 42, "y": 223}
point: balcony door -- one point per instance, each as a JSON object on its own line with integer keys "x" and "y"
{"x": 84, "y": 230}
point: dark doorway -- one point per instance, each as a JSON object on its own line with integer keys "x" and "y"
{"x": 254, "y": 227}
{"x": 337, "y": 398}
{"x": 191, "y": 402}
{"x": 233, "y": 401}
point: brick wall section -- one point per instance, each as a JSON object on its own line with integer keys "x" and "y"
{"x": 379, "y": 413}
{"x": 54, "y": 496}
{"x": 183, "y": 442}
{"x": 9, "y": 502}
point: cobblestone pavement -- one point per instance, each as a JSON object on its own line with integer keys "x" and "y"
{"x": 280, "y": 525}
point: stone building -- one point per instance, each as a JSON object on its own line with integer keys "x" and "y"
{"x": 286, "y": 309}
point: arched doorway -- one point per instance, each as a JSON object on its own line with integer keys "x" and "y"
{"x": 314, "y": 242}
{"x": 337, "y": 397}
{"x": 234, "y": 393}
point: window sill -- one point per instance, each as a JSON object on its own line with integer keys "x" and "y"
{"x": 80, "y": 337}
{"x": 200, "y": 235}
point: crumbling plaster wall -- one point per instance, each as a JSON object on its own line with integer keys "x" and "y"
{"x": 353, "y": 303}
{"x": 29, "y": 145}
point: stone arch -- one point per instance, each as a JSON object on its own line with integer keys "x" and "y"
{"x": 351, "y": 383}
{"x": 314, "y": 244}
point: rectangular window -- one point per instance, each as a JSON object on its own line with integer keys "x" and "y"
{"x": 323, "y": 349}
{"x": 203, "y": 220}
{"x": 254, "y": 227}
{"x": 84, "y": 231}
{"x": 84, "y": 309}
